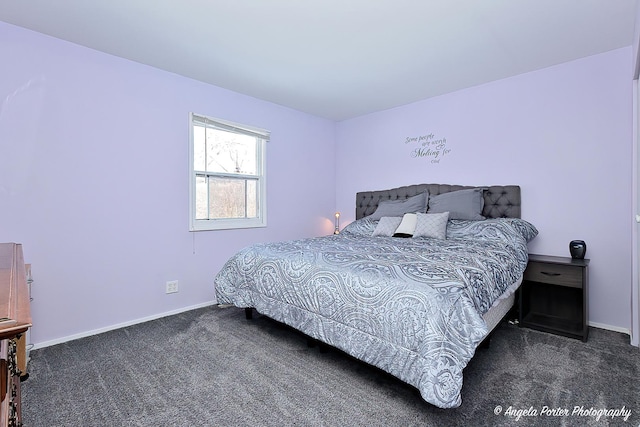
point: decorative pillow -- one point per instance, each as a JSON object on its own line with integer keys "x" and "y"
{"x": 461, "y": 204}
{"x": 407, "y": 225}
{"x": 417, "y": 203}
{"x": 432, "y": 225}
{"x": 387, "y": 226}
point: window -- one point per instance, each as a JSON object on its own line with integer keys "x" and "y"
{"x": 227, "y": 175}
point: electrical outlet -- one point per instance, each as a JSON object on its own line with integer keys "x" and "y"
{"x": 172, "y": 286}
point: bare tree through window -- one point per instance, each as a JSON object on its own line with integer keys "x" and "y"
{"x": 228, "y": 172}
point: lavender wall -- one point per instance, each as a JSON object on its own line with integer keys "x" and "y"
{"x": 94, "y": 182}
{"x": 564, "y": 134}
{"x": 93, "y": 173}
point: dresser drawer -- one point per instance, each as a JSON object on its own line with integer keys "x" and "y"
{"x": 563, "y": 275}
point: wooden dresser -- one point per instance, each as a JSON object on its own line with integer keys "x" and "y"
{"x": 15, "y": 320}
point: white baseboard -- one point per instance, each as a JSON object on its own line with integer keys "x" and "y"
{"x": 119, "y": 325}
{"x": 610, "y": 328}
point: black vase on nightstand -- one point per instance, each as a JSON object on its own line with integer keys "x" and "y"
{"x": 578, "y": 249}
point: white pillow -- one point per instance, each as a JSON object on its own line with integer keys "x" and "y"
{"x": 387, "y": 225}
{"x": 407, "y": 225}
{"x": 432, "y": 225}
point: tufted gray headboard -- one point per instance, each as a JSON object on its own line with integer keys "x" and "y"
{"x": 500, "y": 201}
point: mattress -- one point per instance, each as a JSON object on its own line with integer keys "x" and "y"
{"x": 501, "y": 307}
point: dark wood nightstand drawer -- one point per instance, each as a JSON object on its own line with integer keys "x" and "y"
{"x": 563, "y": 275}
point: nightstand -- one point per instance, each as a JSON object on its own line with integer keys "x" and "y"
{"x": 554, "y": 296}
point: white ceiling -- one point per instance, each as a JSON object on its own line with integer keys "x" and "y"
{"x": 337, "y": 58}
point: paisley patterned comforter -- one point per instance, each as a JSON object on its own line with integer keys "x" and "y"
{"x": 410, "y": 306}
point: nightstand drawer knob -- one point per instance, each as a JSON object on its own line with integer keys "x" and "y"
{"x": 546, "y": 273}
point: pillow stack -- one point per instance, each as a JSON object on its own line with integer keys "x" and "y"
{"x": 407, "y": 218}
{"x": 414, "y": 225}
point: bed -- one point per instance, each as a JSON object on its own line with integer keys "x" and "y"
{"x": 394, "y": 289}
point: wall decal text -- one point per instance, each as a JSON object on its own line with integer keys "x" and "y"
{"x": 428, "y": 146}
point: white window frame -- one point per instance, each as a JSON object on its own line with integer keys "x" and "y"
{"x": 262, "y": 137}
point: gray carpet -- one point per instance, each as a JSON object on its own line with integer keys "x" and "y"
{"x": 212, "y": 367}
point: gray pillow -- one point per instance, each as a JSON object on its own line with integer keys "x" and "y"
{"x": 387, "y": 226}
{"x": 417, "y": 203}
{"x": 432, "y": 225}
{"x": 461, "y": 204}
